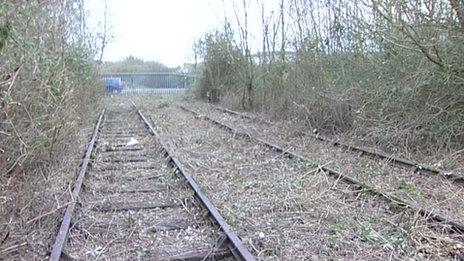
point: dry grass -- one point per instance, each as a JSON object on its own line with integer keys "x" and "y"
{"x": 32, "y": 203}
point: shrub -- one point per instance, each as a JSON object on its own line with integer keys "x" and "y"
{"x": 48, "y": 81}
{"x": 219, "y": 74}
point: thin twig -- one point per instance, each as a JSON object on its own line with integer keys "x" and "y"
{"x": 12, "y": 248}
{"x": 48, "y": 213}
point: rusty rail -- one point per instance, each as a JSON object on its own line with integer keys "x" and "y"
{"x": 430, "y": 215}
{"x": 62, "y": 235}
{"x": 417, "y": 166}
{"x": 235, "y": 244}
{"x": 241, "y": 115}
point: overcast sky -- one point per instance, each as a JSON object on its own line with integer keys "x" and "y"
{"x": 161, "y": 30}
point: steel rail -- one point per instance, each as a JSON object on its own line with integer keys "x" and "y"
{"x": 241, "y": 115}
{"x": 430, "y": 215}
{"x": 236, "y": 245}
{"x": 62, "y": 235}
{"x": 417, "y": 167}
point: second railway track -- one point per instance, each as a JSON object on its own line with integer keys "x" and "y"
{"x": 426, "y": 190}
{"x": 137, "y": 202}
{"x": 456, "y": 225}
{"x": 458, "y": 178}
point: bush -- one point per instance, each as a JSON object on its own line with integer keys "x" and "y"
{"x": 219, "y": 74}
{"x": 48, "y": 81}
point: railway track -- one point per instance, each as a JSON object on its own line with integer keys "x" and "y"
{"x": 454, "y": 225}
{"x": 133, "y": 200}
{"x": 418, "y": 167}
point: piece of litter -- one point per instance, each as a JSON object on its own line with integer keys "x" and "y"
{"x": 96, "y": 252}
{"x": 132, "y": 142}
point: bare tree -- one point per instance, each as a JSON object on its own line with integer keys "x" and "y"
{"x": 247, "y": 96}
{"x": 104, "y": 37}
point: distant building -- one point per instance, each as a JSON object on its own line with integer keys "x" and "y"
{"x": 188, "y": 68}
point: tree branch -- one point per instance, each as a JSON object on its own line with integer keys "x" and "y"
{"x": 458, "y": 11}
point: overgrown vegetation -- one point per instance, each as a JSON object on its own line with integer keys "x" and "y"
{"x": 221, "y": 69}
{"x": 48, "y": 82}
{"x": 391, "y": 72}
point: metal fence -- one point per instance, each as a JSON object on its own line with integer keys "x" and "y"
{"x": 156, "y": 83}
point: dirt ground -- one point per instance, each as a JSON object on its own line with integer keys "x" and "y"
{"x": 284, "y": 209}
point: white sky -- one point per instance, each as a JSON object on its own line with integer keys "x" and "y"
{"x": 162, "y": 30}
